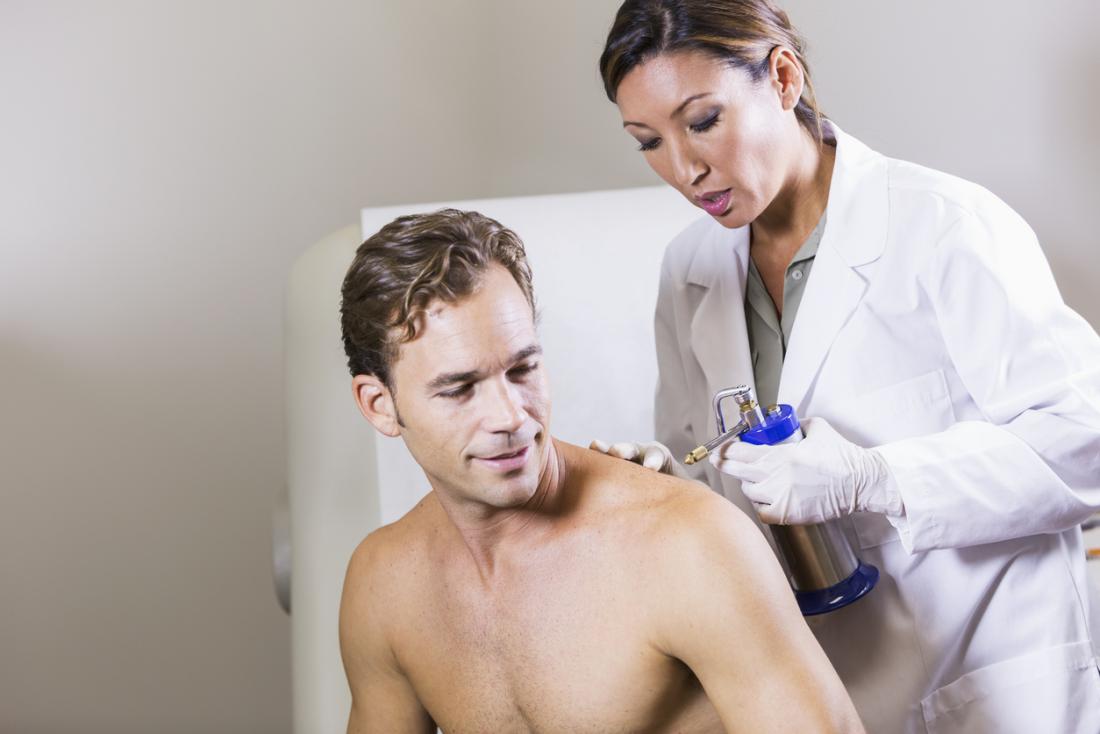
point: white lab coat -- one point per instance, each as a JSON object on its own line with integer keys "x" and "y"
{"x": 930, "y": 327}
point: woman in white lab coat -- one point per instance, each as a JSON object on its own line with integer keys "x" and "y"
{"x": 953, "y": 398}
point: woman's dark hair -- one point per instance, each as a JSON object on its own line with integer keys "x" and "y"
{"x": 742, "y": 33}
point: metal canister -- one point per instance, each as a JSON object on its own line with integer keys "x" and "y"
{"x": 819, "y": 561}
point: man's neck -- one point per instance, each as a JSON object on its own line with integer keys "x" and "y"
{"x": 491, "y": 532}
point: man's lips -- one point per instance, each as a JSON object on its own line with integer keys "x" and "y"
{"x": 506, "y": 462}
{"x": 714, "y": 203}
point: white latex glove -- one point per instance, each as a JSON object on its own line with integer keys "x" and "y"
{"x": 823, "y": 477}
{"x": 652, "y": 455}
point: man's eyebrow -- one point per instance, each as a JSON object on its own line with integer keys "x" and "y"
{"x": 527, "y": 353}
{"x": 675, "y": 112}
{"x": 453, "y": 378}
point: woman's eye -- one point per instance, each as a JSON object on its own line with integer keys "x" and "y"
{"x": 649, "y": 144}
{"x": 706, "y": 124}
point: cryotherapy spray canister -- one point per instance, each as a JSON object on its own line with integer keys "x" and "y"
{"x": 821, "y": 566}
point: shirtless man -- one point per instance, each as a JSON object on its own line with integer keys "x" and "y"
{"x": 542, "y": 587}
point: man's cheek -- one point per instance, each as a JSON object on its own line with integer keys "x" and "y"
{"x": 538, "y": 396}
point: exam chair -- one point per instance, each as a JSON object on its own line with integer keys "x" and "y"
{"x": 596, "y": 261}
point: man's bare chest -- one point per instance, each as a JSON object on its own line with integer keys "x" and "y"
{"x": 561, "y": 651}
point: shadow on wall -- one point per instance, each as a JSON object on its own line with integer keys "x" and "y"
{"x": 110, "y": 551}
{"x": 65, "y": 601}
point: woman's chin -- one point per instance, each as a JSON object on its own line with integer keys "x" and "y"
{"x": 732, "y": 218}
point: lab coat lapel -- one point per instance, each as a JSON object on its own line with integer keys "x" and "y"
{"x": 854, "y": 236}
{"x": 833, "y": 292}
{"x": 719, "y": 338}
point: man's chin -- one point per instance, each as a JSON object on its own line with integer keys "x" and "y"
{"x": 515, "y": 488}
{"x": 511, "y": 479}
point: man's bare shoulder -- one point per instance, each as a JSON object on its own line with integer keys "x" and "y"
{"x": 716, "y": 599}
{"x": 388, "y": 556}
{"x": 371, "y": 609}
{"x": 664, "y": 507}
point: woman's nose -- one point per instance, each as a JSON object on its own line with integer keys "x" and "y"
{"x": 687, "y": 167}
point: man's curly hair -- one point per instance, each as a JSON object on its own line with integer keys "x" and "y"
{"x": 411, "y": 262}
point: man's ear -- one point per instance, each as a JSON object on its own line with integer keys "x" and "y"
{"x": 376, "y": 403}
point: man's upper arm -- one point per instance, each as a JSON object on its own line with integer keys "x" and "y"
{"x": 732, "y": 619}
{"x": 382, "y": 699}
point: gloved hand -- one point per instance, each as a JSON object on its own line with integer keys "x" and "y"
{"x": 823, "y": 477}
{"x": 651, "y": 455}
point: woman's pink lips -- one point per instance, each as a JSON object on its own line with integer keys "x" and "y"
{"x": 506, "y": 462}
{"x": 714, "y": 204}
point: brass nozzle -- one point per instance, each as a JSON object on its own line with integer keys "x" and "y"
{"x": 697, "y": 454}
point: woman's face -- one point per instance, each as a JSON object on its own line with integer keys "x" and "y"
{"x": 723, "y": 141}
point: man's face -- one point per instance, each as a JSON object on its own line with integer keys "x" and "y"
{"x": 473, "y": 397}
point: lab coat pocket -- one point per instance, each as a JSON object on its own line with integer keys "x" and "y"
{"x": 1055, "y": 690}
{"x": 916, "y": 406}
{"x": 913, "y": 407}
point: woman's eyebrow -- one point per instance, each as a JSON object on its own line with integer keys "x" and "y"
{"x": 675, "y": 112}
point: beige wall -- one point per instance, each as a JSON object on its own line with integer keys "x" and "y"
{"x": 162, "y": 164}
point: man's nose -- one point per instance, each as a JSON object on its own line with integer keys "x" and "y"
{"x": 504, "y": 409}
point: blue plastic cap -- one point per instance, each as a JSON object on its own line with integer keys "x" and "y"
{"x": 776, "y": 428}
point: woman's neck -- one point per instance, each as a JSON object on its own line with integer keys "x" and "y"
{"x": 792, "y": 215}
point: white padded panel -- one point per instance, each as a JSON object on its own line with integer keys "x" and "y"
{"x": 596, "y": 259}
{"x": 331, "y": 480}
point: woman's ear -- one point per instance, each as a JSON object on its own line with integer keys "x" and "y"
{"x": 376, "y": 403}
{"x": 786, "y": 76}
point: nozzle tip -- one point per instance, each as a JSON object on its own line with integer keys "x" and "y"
{"x": 696, "y": 455}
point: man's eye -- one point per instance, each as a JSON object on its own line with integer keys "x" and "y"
{"x": 649, "y": 144}
{"x": 458, "y": 392}
{"x": 706, "y": 124}
{"x": 523, "y": 369}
